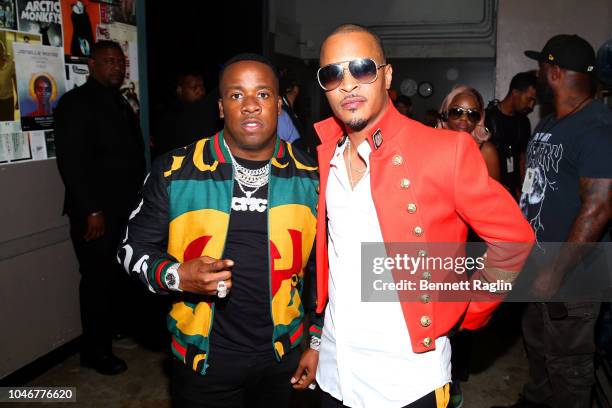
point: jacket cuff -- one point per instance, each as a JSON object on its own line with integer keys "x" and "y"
{"x": 315, "y": 331}
{"x": 157, "y": 274}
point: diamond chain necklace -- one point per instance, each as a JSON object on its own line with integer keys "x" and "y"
{"x": 251, "y": 178}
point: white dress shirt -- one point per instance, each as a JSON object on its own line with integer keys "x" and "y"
{"x": 366, "y": 358}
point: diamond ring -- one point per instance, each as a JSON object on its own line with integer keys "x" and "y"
{"x": 221, "y": 289}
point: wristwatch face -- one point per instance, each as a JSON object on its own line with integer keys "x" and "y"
{"x": 170, "y": 279}
{"x": 425, "y": 89}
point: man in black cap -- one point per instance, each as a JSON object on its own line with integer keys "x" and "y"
{"x": 566, "y": 196}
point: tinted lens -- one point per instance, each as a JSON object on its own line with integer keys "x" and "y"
{"x": 330, "y": 76}
{"x": 363, "y": 70}
{"x": 456, "y": 113}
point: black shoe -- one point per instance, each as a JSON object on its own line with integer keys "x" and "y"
{"x": 107, "y": 364}
{"x": 522, "y": 403}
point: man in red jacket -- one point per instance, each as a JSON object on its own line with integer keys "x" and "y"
{"x": 387, "y": 178}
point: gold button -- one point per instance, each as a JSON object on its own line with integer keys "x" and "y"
{"x": 411, "y": 208}
{"x": 425, "y": 321}
{"x": 397, "y": 160}
{"x": 425, "y": 298}
{"x": 422, "y": 253}
{"x": 427, "y": 341}
{"x": 418, "y": 231}
{"x": 405, "y": 183}
{"x": 427, "y": 275}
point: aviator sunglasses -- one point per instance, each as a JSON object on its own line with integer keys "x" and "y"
{"x": 364, "y": 70}
{"x": 456, "y": 113}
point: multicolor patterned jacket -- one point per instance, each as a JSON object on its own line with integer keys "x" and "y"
{"x": 184, "y": 213}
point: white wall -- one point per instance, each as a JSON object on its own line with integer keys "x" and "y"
{"x": 527, "y": 25}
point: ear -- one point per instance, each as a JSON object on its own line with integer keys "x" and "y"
{"x": 555, "y": 73}
{"x": 388, "y": 69}
{"x": 220, "y": 102}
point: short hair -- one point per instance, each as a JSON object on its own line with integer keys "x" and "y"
{"x": 522, "y": 81}
{"x": 185, "y": 72}
{"x": 248, "y": 57}
{"x": 403, "y": 99}
{"x": 104, "y": 45}
{"x": 43, "y": 78}
{"x": 287, "y": 80}
{"x": 357, "y": 28}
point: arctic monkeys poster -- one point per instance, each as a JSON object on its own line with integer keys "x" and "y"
{"x": 41, "y": 17}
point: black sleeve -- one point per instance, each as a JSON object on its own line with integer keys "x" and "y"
{"x": 74, "y": 151}
{"x": 143, "y": 252}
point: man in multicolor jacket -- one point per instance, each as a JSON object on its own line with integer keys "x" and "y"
{"x": 227, "y": 226}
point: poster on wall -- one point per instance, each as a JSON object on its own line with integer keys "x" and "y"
{"x": 41, "y": 17}
{"x": 40, "y": 83}
{"x": 14, "y": 144}
{"x": 118, "y": 11}
{"x": 76, "y": 75}
{"x": 80, "y": 19}
{"x": 50, "y": 143}
{"x": 9, "y": 108}
{"x": 126, "y": 36}
{"x": 8, "y": 15}
{"x": 38, "y": 147}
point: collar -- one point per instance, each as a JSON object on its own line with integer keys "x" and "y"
{"x": 220, "y": 150}
{"x": 331, "y": 130}
{"x": 103, "y": 89}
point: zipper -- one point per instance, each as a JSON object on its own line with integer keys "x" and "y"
{"x": 270, "y": 260}
{"x": 231, "y": 196}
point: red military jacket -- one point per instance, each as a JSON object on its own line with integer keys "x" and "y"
{"x": 426, "y": 185}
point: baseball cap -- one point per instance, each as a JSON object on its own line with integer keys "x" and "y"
{"x": 567, "y": 51}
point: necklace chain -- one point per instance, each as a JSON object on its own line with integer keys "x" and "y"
{"x": 561, "y": 119}
{"x": 350, "y": 165}
{"x": 251, "y": 178}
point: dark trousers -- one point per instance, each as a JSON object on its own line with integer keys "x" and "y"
{"x": 428, "y": 401}
{"x": 235, "y": 380}
{"x": 560, "y": 352}
{"x": 103, "y": 283}
{"x": 7, "y": 109}
{"x": 461, "y": 346}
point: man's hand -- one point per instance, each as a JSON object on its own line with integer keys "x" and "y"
{"x": 306, "y": 371}
{"x": 95, "y": 226}
{"x": 546, "y": 283}
{"x": 202, "y": 275}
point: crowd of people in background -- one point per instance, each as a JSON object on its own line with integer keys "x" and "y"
{"x": 235, "y": 178}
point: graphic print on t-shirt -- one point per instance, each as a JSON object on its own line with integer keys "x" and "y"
{"x": 543, "y": 160}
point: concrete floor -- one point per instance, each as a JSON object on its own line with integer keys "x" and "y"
{"x": 498, "y": 372}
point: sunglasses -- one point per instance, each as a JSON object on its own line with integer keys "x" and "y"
{"x": 456, "y": 113}
{"x": 364, "y": 70}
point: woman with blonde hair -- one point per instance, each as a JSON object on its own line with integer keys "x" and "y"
{"x": 463, "y": 110}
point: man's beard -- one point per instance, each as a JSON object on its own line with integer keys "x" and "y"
{"x": 357, "y": 124}
{"x": 544, "y": 92}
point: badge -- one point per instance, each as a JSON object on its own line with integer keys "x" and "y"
{"x": 528, "y": 182}
{"x": 377, "y": 138}
{"x": 510, "y": 164}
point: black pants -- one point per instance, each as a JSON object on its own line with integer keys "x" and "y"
{"x": 235, "y": 380}
{"x": 428, "y": 401}
{"x": 560, "y": 353}
{"x": 103, "y": 284}
{"x": 7, "y": 109}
